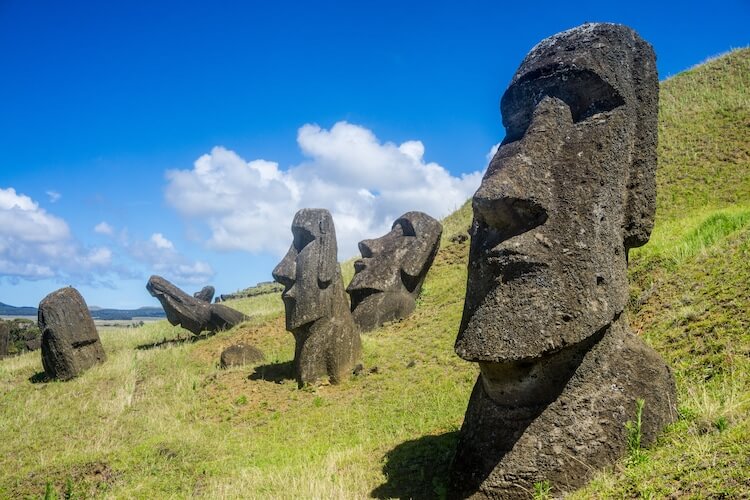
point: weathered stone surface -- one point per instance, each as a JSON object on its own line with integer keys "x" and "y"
{"x": 317, "y": 311}
{"x": 570, "y": 190}
{"x": 389, "y": 276}
{"x": 206, "y": 294}
{"x": 192, "y": 314}
{"x": 70, "y": 342}
{"x": 241, "y": 354}
{"x": 4, "y": 338}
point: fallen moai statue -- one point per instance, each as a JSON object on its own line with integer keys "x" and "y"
{"x": 192, "y": 314}
{"x": 70, "y": 342}
{"x": 206, "y": 294}
{"x": 389, "y": 276}
{"x": 317, "y": 311}
{"x": 570, "y": 190}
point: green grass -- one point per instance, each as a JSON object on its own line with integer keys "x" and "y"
{"x": 161, "y": 419}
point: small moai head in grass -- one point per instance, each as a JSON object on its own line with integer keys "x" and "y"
{"x": 309, "y": 268}
{"x": 389, "y": 276}
{"x": 570, "y": 190}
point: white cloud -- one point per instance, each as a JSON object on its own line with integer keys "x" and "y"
{"x": 35, "y": 244}
{"x": 160, "y": 241}
{"x": 161, "y": 257}
{"x": 53, "y": 196}
{"x": 365, "y": 183}
{"x": 492, "y": 151}
{"x": 104, "y": 228}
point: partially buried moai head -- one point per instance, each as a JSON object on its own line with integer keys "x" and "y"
{"x": 390, "y": 274}
{"x": 309, "y": 268}
{"x": 570, "y": 190}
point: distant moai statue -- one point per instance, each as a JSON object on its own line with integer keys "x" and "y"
{"x": 570, "y": 190}
{"x": 317, "y": 309}
{"x": 389, "y": 276}
{"x": 206, "y": 294}
{"x": 70, "y": 342}
{"x": 192, "y": 314}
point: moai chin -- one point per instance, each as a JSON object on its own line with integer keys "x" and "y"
{"x": 389, "y": 276}
{"x": 317, "y": 310}
{"x": 570, "y": 190}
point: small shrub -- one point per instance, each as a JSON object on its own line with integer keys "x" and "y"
{"x": 721, "y": 424}
{"x": 542, "y": 490}
{"x": 634, "y": 430}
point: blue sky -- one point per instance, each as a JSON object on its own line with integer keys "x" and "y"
{"x": 178, "y": 138}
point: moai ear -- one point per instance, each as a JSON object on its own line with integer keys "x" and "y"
{"x": 641, "y": 196}
{"x": 328, "y": 250}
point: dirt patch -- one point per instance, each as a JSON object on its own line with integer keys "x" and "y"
{"x": 85, "y": 480}
{"x": 271, "y": 335}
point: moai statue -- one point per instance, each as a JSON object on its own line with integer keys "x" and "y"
{"x": 389, "y": 276}
{"x": 570, "y": 190}
{"x": 317, "y": 311}
{"x": 191, "y": 313}
{"x": 206, "y": 294}
{"x": 70, "y": 342}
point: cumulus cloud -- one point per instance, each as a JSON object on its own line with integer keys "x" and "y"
{"x": 104, "y": 228}
{"x": 492, "y": 151}
{"x": 160, "y": 255}
{"x": 364, "y": 182}
{"x": 35, "y": 244}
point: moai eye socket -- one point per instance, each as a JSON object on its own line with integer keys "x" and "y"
{"x": 302, "y": 238}
{"x": 585, "y": 92}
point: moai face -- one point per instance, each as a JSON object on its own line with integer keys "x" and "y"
{"x": 569, "y": 191}
{"x": 390, "y": 273}
{"x": 309, "y": 268}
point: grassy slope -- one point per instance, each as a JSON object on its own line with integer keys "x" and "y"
{"x": 166, "y": 421}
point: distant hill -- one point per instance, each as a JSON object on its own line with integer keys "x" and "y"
{"x": 127, "y": 314}
{"x": 6, "y": 310}
{"x": 96, "y": 312}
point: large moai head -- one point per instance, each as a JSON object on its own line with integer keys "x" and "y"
{"x": 389, "y": 276}
{"x": 570, "y": 190}
{"x": 309, "y": 268}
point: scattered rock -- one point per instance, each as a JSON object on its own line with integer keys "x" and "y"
{"x": 554, "y": 218}
{"x": 4, "y": 338}
{"x": 206, "y": 294}
{"x": 389, "y": 276}
{"x": 192, "y": 314}
{"x": 317, "y": 312}
{"x": 241, "y": 354}
{"x": 70, "y": 343}
{"x": 411, "y": 364}
{"x": 33, "y": 344}
{"x": 459, "y": 238}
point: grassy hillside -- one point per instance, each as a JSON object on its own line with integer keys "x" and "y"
{"x": 160, "y": 419}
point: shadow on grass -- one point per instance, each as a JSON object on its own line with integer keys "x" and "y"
{"x": 418, "y": 468}
{"x": 39, "y": 378}
{"x": 177, "y": 341}
{"x": 274, "y": 372}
